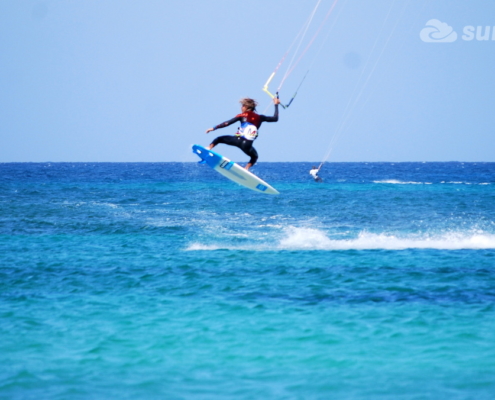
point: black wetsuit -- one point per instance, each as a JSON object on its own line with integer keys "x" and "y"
{"x": 246, "y": 145}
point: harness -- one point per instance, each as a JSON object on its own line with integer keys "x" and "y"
{"x": 247, "y": 131}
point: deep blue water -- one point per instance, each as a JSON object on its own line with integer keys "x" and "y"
{"x": 167, "y": 281}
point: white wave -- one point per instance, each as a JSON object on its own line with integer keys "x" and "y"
{"x": 397, "y": 182}
{"x": 296, "y": 238}
{"x": 199, "y": 246}
{"x": 104, "y": 204}
{"x": 307, "y": 238}
{"x": 467, "y": 183}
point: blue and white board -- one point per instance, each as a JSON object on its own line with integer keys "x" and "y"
{"x": 233, "y": 171}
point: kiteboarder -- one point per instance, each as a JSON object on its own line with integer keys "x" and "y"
{"x": 248, "y": 131}
{"x": 314, "y": 173}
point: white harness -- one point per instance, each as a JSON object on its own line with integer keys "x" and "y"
{"x": 247, "y": 131}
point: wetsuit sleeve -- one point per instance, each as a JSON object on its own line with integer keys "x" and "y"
{"x": 227, "y": 123}
{"x": 270, "y": 119}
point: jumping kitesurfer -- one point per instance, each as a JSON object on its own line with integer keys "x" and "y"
{"x": 248, "y": 131}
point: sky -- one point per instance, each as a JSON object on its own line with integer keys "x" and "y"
{"x": 129, "y": 81}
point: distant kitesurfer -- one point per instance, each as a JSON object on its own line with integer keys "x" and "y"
{"x": 314, "y": 173}
{"x": 248, "y": 131}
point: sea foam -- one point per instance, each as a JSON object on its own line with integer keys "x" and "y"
{"x": 315, "y": 239}
{"x": 297, "y": 238}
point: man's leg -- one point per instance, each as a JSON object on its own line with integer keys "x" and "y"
{"x": 227, "y": 139}
{"x": 247, "y": 147}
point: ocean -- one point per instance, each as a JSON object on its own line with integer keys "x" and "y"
{"x": 168, "y": 281}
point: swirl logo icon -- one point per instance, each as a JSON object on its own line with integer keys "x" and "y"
{"x": 438, "y": 32}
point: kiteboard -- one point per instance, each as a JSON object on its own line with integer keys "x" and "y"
{"x": 233, "y": 171}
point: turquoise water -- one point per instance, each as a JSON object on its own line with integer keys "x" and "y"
{"x": 166, "y": 281}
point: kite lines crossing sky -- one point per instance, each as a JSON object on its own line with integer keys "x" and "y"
{"x": 299, "y": 39}
{"x": 366, "y": 73}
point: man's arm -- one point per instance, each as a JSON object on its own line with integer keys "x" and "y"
{"x": 226, "y": 123}
{"x": 276, "y": 101}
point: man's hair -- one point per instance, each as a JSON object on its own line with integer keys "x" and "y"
{"x": 250, "y": 104}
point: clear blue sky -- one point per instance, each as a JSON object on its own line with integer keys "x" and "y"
{"x": 122, "y": 80}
